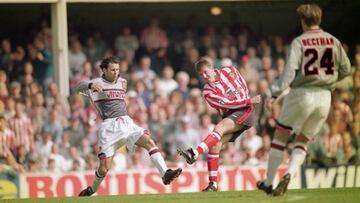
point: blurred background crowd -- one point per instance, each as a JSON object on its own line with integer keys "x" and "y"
{"x": 41, "y": 130}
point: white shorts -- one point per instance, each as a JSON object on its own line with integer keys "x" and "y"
{"x": 305, "y": 110}
{"x": 116, "y": 132}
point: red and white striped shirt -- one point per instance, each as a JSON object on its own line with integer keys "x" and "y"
{"x": 23, "y": 130}
{"x": 154, "y": 38}
{"x": 7, "y": 138}
{"x": 229, "y": 92}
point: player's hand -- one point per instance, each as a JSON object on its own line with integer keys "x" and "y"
{"x": 269, "y": 103}
{"x": 96, "y": 87}
{"x": 256, "y": 99}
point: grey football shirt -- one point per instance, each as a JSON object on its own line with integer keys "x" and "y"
{"x": 316, "y": 59}
{"x": 110, "y": 103}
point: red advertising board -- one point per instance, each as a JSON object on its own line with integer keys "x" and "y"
{"x": 141, "y": 182}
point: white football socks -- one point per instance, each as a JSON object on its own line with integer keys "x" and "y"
{"x": 297, "y": 158}
{"x": 158, "y": 160}
{"x": 275, "y": 159}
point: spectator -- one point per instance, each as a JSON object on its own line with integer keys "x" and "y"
{"x": 185, "y": 135}
{"x": 153, "y": 37}
{"x": 183, "y": 80}
{"x": 191, "y": 56}
{"x": 76, "y": 58}
{"x": 124, "y": 69}
{"x": 42, "y": 149}
{"x": 74, "y": 162}
{"x": 55, "y": 98}
{"x": 42, "y": 61}
{"x": 5, "y": 55}
{"x": 278, "y": 47}
{"x": 254, "y": 59}
{"x": 3, "y": 93}
{"x": 15, "y": 91}
{"x": 65, "y": 144}
{"x": 21, "y": 125}
{"x": 252, "y": 143}
{"x": 167, "y": 83}
{"x": 242, "y": 43}
{"x": 126, "y": 41}
{"x": 76, "y": 166}
{"x": 142, "y": 92}
{"x": 92, "y": 51}
{"x": 247, "y": 70}
{"x": 263, "y": 153}
{"x": 76, "y": 131}
{"x": 18, "y": 57}
{"x": 60, "y": 162}
{"x": 145, "y": 73}
{"x": 7, "y": 136}
{"x": 53, "y": 126}
{"x": 22, "y": 156}
{"x": 51, "y": 166}
{"x": 280, "y": 66}
{"x": 206, "y": 126}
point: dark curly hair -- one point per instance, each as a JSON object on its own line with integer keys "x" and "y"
{"x": 106, "y": 61}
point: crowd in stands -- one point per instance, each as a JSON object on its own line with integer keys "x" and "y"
{"x": 42, "y": 130}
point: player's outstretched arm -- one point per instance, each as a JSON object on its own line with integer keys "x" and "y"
{"x": 256, "y": 99}
{"x": 82, "y": 86}
{"x": 88, "y": 85}
{"x": 292, "y": 64}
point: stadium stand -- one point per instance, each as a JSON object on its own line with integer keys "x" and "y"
{"x": 43, "y": 131}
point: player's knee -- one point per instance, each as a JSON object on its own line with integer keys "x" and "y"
{"x": 216, "y": 148}
{"x": 149, "y": 143}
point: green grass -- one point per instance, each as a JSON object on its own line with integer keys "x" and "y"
{"x": 343, "y": 195}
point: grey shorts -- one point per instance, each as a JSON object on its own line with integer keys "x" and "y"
{"x": 243, "y": 116}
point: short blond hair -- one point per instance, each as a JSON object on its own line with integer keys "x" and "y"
{"x": 204, "y": 61}
{"x": 310, "y": 14}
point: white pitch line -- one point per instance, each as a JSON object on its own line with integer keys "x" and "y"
{"x": 295, "y": 198}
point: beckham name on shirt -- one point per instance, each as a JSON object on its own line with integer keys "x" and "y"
{"x": 319, "y": 41}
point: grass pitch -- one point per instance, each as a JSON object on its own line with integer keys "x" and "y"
{"x": 332, "y": 195}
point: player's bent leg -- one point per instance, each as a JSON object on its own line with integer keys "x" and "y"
{"x": 213, "y": 163}
{"x": 297, "y": 157}
{"x": 104, "y": 167}
{"x": 157, "y": 159}
{"x": 276, "y": 153}
{"x": 298, "y": 154}
{"x": 225, "y": 126}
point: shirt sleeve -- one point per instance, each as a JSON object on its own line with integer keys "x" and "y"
{"x": 82, "y": 86}
{"x": 344, "y": 64}
{"x": 293, "y": 63}
{"x": 124, "y": 84}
